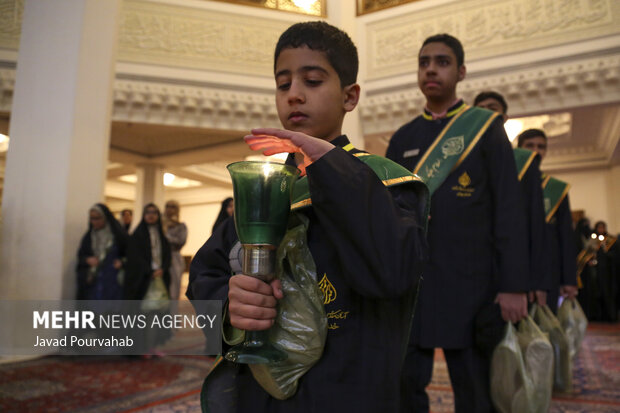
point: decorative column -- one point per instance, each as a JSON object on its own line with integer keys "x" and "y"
{"x": 60, "y": 126}
{"x": 149, "y": 188}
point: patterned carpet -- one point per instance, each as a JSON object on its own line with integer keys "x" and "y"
{"x": 596, "y": 377}
{"x": 172, "y": 383}
{"x": 102, "y": 384}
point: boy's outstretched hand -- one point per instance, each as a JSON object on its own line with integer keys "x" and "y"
{"x": 252, "y": 302}
{"x": 272, "y": 141}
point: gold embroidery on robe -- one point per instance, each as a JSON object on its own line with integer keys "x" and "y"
{"x": 328, "y": 290}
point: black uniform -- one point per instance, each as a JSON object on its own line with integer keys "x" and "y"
{"x": 478, "y": 248}
{"x": 368, "y": 242}
{"x": 532, "y": 196}
{"x": 561, "y": 252}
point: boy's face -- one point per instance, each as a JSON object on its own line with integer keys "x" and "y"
{"x": 493, "y": 105}
{"x": 438, "y": 72}
{"x": 309, "y": 97}
{"x": 537, "y": 144}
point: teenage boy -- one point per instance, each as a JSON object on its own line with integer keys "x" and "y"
{"x": 559, "y": 245}
{"x": 364, "y": 234}
{"x": 476, "y": 230}
{"x": 530, "y": 183}
{"x": 492, "y": 101}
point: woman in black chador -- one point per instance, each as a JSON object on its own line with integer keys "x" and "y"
{"x": 225, "y": 212}
{"x": 148, "y": 263}
{"x": 101, "y": 256}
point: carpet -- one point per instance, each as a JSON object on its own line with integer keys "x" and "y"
{"x": 172, "y": 383}
{"x": 100, "y": 384}
{"x": 596, "y": 377}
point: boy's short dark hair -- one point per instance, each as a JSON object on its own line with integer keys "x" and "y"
{"x": 529, "y": 134}
{"x": 336, "y": 44}
{"x": 126, "y": 210}
{"x": 492, "y": 95}
{"x": 450, "y": 41}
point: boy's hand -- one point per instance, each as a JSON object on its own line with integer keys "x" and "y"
{"x": 569, "y": 291}
{"x": 513, "y": 306}
{"x": 272, "y": 141}
{"x": 252, "y": 302}
{"x": 538, "y": 296}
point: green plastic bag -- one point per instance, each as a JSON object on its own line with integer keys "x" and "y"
{"x": 574, "y": 323}
{"x": 156, "y": 297}
{"x": 563, "y": 365}
{"x": 521, "y": 370}
{"x": 538, "y": 359}
{"x": 301, "y": 325}
{"x": 511, "y": 389}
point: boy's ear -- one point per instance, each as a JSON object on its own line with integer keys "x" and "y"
{"x": 462, "y": 72}
{"x": 351, "y": 96}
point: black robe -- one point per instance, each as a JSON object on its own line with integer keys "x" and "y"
{"x": 477, "y": 238}
{"x": 561, "y": 254}
{"x": 532, "y": 197}
{"x": 368, "y": 242}
{"x": 139, "y": 269}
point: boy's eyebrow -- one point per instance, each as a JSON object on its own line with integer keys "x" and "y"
{"x": 302, "y": 69}
{"x": 426, "y": 56}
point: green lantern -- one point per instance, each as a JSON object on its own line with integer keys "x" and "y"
{"x": 262, "y": 194}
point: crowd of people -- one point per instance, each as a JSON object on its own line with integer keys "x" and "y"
{"x": 116, "y": 263}
{"x": 498, "y": 237}
{"x": 398, "y": 279}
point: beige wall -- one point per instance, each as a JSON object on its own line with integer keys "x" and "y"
{"x": 199, "y": 220}
{"x": 594, "y": 192}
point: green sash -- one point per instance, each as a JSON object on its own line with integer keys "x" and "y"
{"x": 554, "y": 192}
{"x": 453, "y": 145}
{"x": 389, "y": 172}
{"x": 523, "y": 158}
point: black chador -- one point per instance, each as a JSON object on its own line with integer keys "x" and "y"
{"x": 368, "y": 245}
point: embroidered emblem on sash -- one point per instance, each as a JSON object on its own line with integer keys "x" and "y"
{"x": 328, "y": 290}
{"x": 453, "y": 146}
{"x": 463, "y": 189}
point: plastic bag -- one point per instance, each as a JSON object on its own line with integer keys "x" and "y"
{"x": 521, "y": 370}
{"x": 574, "y": 323}
{"x": 563, "y": 366}
{"x": 156, "y": 297}
{"x": 511, "y": 389}
{"x": 538, "y": 359}
{"x": 301, "y": 325}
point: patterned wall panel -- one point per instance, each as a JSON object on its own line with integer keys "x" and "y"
{"x": 11, "y": 12}
{"x": 160, "y": 34}
{"x": 488, "y": 28}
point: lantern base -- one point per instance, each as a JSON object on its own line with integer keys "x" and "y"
{"x": 256, "y": 349}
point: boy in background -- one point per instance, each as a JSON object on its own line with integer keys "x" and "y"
{"x": 476, "y": 232}
{"x": 559, "y": 245}
{"x": 530, "y": 183}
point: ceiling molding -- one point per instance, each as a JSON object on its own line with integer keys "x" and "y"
{"x": 124, "y": 157}
{"x": 113, "y": 173}
{"x": 189, "y": 173}
{"x": 195, "y": 106}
